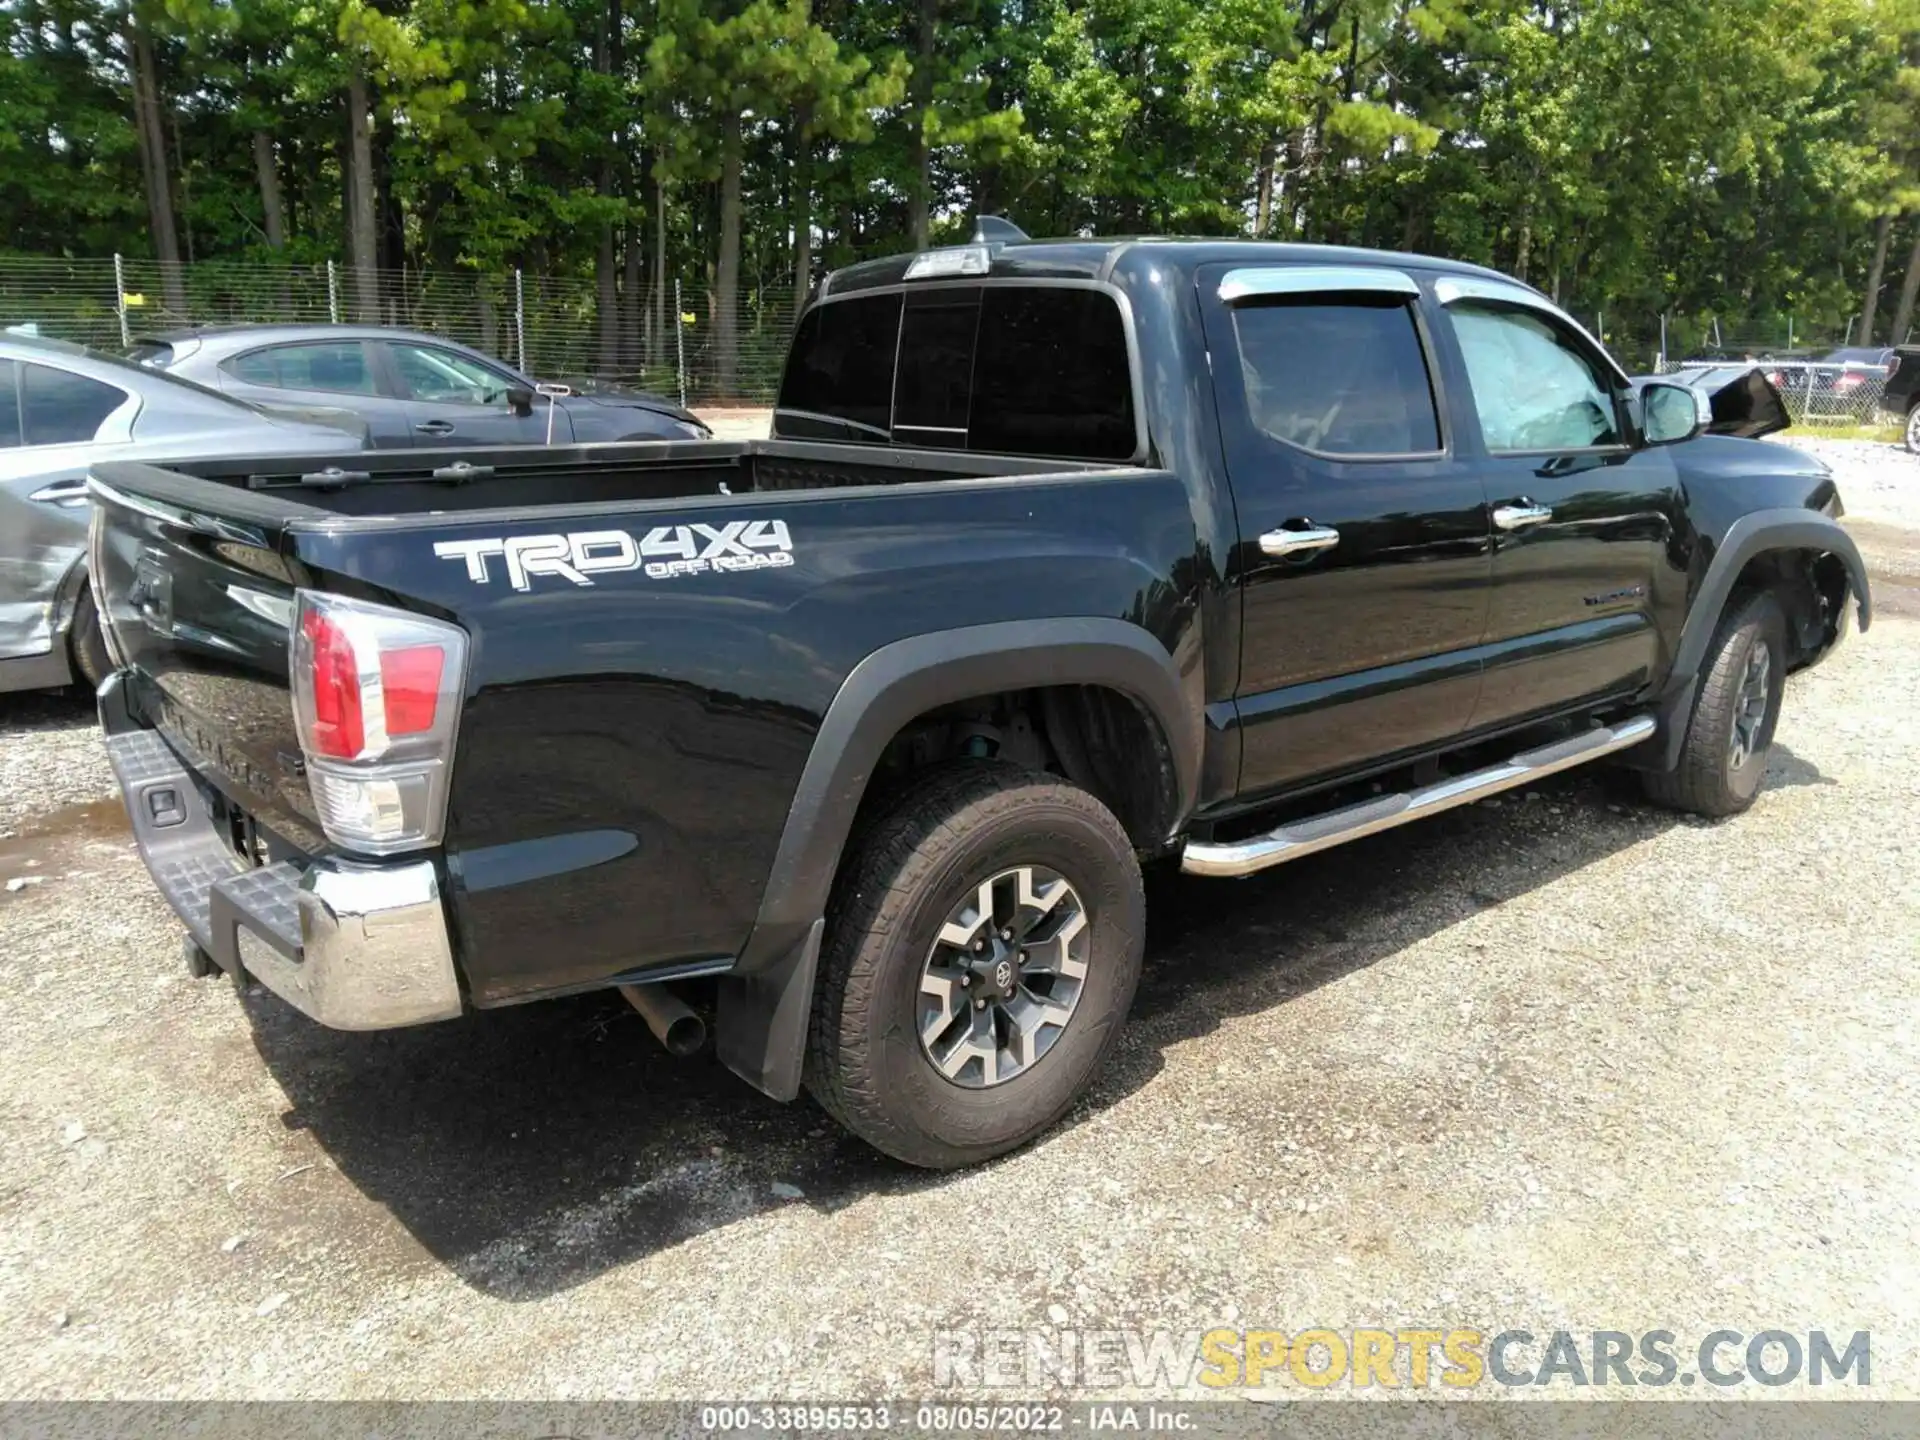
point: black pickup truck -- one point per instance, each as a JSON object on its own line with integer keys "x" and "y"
{"x": 1064, "y": 557}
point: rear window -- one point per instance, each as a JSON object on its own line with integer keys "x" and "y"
{"x": 1009, "y": 369}
{"x": 841, "y": 364}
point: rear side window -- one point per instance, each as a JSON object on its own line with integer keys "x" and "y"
{"x": 841, "y": 365}
{"x": 1344, "y": 376}
{"x": 1009, "y": 369}
{"x": 334, "y": 365}
{"x": 60, "y": 408}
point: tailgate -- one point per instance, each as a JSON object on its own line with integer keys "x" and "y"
{"x": 196, "y": 605}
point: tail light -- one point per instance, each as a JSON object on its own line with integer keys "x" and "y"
{"x": 1893, "y": 366}
{"x": 376, "y": 700}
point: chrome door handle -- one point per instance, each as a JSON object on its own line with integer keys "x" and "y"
{"x": 1519, "y": 517}
{"x": 1293, "y": 542}
{"x": 62, "y": 492}
{"x": 435, "y": 427}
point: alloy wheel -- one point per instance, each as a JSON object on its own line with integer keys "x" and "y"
{"x": 1003, "y": 976}
{"x": 1750, "y": 710}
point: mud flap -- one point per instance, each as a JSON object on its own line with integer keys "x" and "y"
{"x": 762, "y": 1030}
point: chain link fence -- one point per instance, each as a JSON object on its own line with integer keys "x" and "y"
{"x": 669, "y": 340}
{"x": 1816, "y": 393}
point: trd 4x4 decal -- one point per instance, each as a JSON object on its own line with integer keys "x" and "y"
{"x": 664, "y": 552}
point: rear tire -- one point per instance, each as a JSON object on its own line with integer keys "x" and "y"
{"x": 1724, "y": 757}
{"x": 1913, "y": 429}
{"x": 901, "y": 1055}
{"x": 85, "y": 643}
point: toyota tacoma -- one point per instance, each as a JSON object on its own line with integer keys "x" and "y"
{"x": 1064, "y": 558}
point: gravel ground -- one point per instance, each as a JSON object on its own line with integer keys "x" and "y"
{"x": 1561, "y": 1061}
{"x": 1879, "y": 483}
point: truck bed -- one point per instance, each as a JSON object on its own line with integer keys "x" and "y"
{"x": 641, "y": 702}
{"x": 421, "y": 482}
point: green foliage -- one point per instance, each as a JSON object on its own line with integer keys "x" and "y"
{"x": 1696, "y": 158}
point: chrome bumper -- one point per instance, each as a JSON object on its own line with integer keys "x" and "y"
{"x": 356, "y": 947}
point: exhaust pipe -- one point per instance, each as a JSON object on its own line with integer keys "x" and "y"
{"x": 673, "y": 1022}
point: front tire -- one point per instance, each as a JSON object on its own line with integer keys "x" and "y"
{"x": 1913, "y": 429}
{"x": 983, "y": 946}
{"x": 1743, "y": 679}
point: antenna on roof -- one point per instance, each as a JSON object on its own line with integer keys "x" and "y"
{"x": 996, "y": 230}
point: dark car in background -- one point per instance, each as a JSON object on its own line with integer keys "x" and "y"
{"x": 1902, "y": 395}
{"x": 413, "y": 389}
{"x": 1841, "y": 385}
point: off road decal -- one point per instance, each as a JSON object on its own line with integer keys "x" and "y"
{"x": 665, "y": 552}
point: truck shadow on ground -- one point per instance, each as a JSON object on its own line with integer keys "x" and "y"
{"x": 532, "y": 1149}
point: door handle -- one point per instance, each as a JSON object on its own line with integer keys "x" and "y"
{"x": 1519, "y": 517}
{"x": 62, "y": 492}
{"x": 1295, "y": 542}
{"x": 435, "y": 427}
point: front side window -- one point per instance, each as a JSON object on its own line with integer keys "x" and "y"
{"x": 1343, "y": 375}
{"x": 443, "y": 377}
{"x": 1532, "y": 389}
{"x": 58, "y": 407}
{"x": 339, "y": 366}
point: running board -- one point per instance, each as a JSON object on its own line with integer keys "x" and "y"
{"x": 1383, "y": 812}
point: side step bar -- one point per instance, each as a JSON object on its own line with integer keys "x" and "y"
{"x": 1383, "y": 812}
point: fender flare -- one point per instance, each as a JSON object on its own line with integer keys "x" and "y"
{"x": 767, "y": 998}
{"x": 1750, "y": 535}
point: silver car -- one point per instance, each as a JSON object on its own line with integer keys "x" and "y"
{"x": 61, "y": 409}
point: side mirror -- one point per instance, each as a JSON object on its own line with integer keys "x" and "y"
{"x": 1672, "y": 413}
{"x": 519, "y": 399}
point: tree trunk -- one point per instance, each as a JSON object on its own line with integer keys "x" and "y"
{"x": 152, "y": 136}
{"x": 183, "y": 202}
{"x": 606, "y": 298}
{"x": 1523, "y": 252}
{"x": 802, "y": 206}
{"x": 726, "y": 279}
{"x": 1870, "y": 301}
{"x": 632, "y": 284}
{"x": 271, "y": 205}
{"x": 920, "y": 202}
{"x": 660, "y": 331}
{"x": 1263, "y": 192}
{"x": 606, "y": 59}
{"x": 1909, "y": 288}
{"x": 362, "y": 217}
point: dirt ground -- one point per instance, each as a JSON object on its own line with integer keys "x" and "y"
{"x": 1564, "y": 1061}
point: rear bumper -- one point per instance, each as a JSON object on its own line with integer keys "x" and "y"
{"x": 354, "y": 946}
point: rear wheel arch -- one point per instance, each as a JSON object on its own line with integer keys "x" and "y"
{"x": 765, "y": 999}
